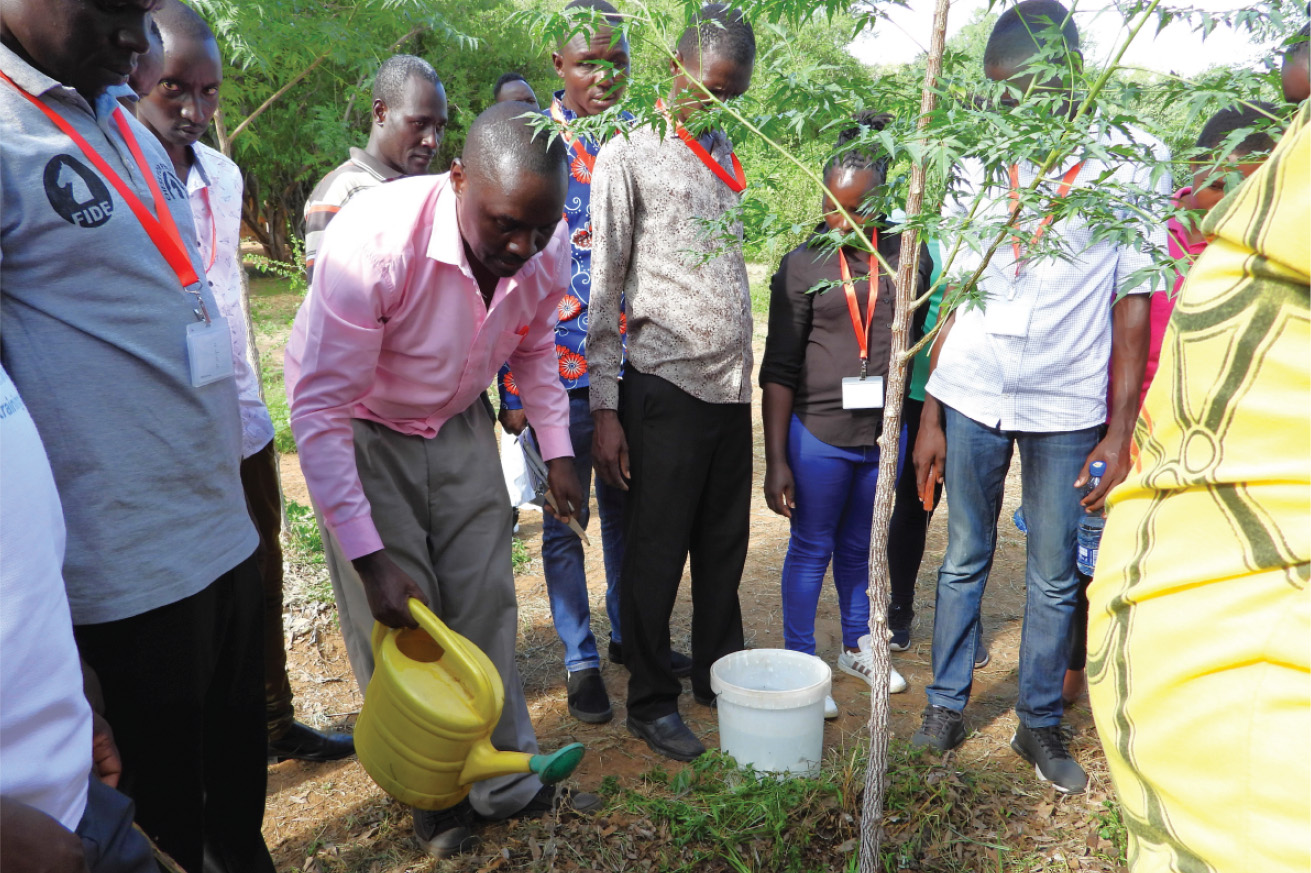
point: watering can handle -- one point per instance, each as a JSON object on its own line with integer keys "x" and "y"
{"x": 455, "y": 648}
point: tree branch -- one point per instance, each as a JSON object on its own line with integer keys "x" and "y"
{"x": 273, "y": 98}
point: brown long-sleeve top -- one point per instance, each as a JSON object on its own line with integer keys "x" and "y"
{"x": 688, "y": 303}
{"x": 812, "y": 345}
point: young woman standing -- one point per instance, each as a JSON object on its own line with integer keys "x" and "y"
{"x": 826, "y": 359}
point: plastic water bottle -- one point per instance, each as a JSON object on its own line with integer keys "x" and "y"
{"x": 1090, "y": 526}
{"x": 1020, "y": 524}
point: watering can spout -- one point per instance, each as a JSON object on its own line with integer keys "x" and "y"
{"x": 486, "y": 762}
{"x": 424, "y": 734}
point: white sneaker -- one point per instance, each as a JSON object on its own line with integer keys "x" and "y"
{"x": 830, "y": 707}
{"x": 861, "y": 665}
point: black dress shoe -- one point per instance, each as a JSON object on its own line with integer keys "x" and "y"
{"x": 304, "y": 743}
{"x": 445, "y": 832}
{"x": 667, "y": 736}
{"x": 588, "y": 700}
{"x": 711, "y": 700}
{"x": 681, "y": 663}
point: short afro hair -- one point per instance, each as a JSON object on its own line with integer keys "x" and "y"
{"x": 869, "y": 157}
{"x": 505, "y": 79}
{"x": 1255, "y": 117}
{"x": 599, "y": 7}
{"x": 721, "y": 30}
{"x": 389, "y": 83}
{"x": 176, "y": 19}
{"x": 1020, "y": 32}
{"x": 503, "y": 142}
{"x": 586, "y": 15}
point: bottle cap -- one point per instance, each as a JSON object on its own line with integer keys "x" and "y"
{"x": 1097, "y": 468}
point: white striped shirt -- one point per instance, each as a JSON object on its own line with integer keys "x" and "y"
{"x": 1035, "y": 357}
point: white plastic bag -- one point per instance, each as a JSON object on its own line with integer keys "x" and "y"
{"x": 517, "y": 481}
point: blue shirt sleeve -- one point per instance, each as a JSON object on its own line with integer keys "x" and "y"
{"x": 505, "y": 387}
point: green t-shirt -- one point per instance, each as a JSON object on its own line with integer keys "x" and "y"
{"x": 919, "y": 368}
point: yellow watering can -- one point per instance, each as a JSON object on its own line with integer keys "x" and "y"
{"x": 429, "y": 711}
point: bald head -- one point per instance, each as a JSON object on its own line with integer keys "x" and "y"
{"x": 1030, "y": 30}
{"x": 1027, "y": 28}
{"x": 502, "y": 143}
{"x": 510, "y": 182}
{"x": 177, "y": 20}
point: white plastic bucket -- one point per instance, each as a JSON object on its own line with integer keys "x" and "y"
{"x": 771, "y": 708}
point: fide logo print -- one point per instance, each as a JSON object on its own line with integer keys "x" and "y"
{"x": 79, "y": 196}
{"x": 169, "y": 184}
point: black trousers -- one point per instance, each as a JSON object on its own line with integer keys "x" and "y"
{"x": 184, "y": 693}
{"x": 259, "y": 479}
{"x": 909, "y": 526}
{"x": 1079, "y": 627}
{"x": 690, "y": 495}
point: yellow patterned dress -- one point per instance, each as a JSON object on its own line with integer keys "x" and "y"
{"x": 1200, "y": 624}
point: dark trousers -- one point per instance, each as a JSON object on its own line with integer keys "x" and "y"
{"x": 259, "y": 479}
{"x": 182, "y": 687}
{"x": 109, "y": 842}
{"x": 910, "y": 522}
{"x": 690, "y": 495}
{"x": 1079, "y": 633}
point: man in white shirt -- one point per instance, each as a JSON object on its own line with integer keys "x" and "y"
{"x": 58, "y": 809}
{"x": 119, "y": 352}
{"x": 178, "y": 111}
{"x": 1030, "y": 368}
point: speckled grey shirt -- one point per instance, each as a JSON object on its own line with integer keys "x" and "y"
{"x": 688, "y": 304}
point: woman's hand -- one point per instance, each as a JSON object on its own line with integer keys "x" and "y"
{"x": 780, "y": 489}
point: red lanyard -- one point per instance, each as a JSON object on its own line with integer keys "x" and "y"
{"x": 862, "y": 330}
{"x": 588, "y": 159}
{"x": 161, "y": 228}
{"x": 1066, "y": 181}
{"x": 736, "y": 183}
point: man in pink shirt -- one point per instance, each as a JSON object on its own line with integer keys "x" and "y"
{"x": 422, "y": 289}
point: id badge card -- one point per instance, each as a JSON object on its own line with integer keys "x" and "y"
{"x": 209, "y": 352}
{"x": 858, "y": 393}
{"x": 1009, "y": 316}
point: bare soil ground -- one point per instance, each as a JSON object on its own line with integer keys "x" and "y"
{"x": 331, "y": 817}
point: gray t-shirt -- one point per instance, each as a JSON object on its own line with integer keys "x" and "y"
{"x": 93, "y": 332}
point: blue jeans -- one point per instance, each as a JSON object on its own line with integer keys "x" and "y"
{"x": 835, "y": 505}
{"x": 978, "y": 458}
{"x": 562, "y": 552}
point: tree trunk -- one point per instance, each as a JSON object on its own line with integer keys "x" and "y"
{"x": 221, "y": 137}
{"x": 876, "y": 772}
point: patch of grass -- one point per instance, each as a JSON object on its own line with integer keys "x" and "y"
{"x": 714, "y": 817}
{"x": 275, "y": 398}
{"x": 760, "y": 299}
{"x": 304, "y": 540}
{"x": 303, "y": 544}
{"x": 1110, "y": 827}
{"x": 519, "y": 556}
{"x": 273, "y": 305}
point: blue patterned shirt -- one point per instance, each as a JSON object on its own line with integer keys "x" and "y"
{"x": 571, "y": 330}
